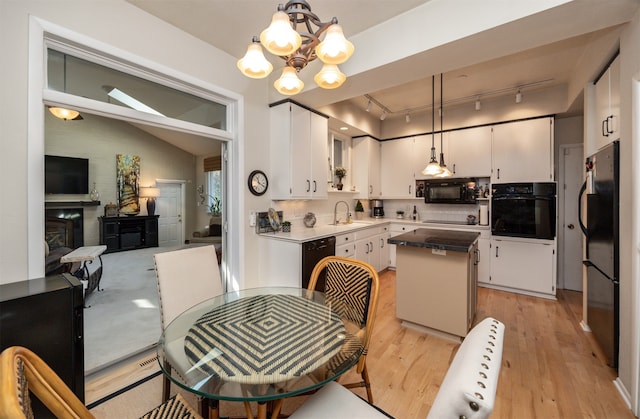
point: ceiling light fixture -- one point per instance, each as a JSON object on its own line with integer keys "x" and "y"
{"x": 518, "y": 97}
{"x": 407, "y": 118}
{"x": 384, "y": 115}
{"x": 369, "y": 106}
{"x": 444, "y": 170}
{"x": 478, "y": 105}
{"x": 64, "y": 113}
{"x": 433, "y": 168}
{"x": 298, "y": 48}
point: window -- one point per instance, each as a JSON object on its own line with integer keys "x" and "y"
{"x": 213, "y": 170}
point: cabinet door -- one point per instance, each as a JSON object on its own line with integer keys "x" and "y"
{"x": 319, "y": 156}
{"x": 523, "y": 151}
{"x": 608, "y": 105}
{"x": 523, "y": 265}
{"x": 385, "y": 254}
{"x": 300, "y": 143}
{"x": 469, "y": 152}
{"x": 374, "y": 190}
{"x": 484, "y": 260}
{"x": 397, "y": 180}
{"x": 363, "y": 249}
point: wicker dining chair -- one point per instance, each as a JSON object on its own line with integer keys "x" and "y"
{"x": 185, "y": 277}
{"x": 352, "y": 287}
{"x": 24, "y": 374}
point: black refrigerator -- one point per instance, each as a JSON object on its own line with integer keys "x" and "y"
{"x": 602, "y": 248}
{"x": 45, "y": 315}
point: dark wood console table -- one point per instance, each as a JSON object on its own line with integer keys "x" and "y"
{"x": 128, "y": 233}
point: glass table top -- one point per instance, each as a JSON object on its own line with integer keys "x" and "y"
{"x": 260, "y": 344}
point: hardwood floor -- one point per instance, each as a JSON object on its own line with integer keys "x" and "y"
{"x": 550, "y": 367}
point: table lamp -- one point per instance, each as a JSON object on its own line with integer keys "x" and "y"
{"x": 151, "y": 194}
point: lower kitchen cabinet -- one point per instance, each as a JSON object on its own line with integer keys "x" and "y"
{"x": 396, "y": 229}
{"x": 524, "y": 265}
{"x": 371, "y": 246}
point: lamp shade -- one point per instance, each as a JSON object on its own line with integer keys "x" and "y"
{"x": 148, "y": 192}
{"x": 289, "y": 83}
{"x": 280, "y": 38}
{"x": 254, "y": 64}
{"x": 63, "y": 113}
{"x": 335, "y": 48}
{"x": 330, "y": 77}
{"x": 432, "y": 169}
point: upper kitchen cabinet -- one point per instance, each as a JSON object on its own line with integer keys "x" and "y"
{"x": 299, "y": 153}
{"x": 523, "y": 151}
{"x": 469, "y": 152}
{"x": 608, "y": 105}
{"x": 397, "y": 173}
{"x": 365, "y": 165}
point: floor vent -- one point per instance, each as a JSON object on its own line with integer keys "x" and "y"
{"x": 148, "y": 361}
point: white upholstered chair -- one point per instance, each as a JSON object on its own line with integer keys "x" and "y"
{"x": 185, "y": 278}
{"x": 468, "y": 389}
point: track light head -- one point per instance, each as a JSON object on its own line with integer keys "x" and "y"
{"x": 384, "y": 115}
{"x": 518, "y": 97}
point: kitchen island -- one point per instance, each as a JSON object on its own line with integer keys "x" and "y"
{"x": 436, "y": 280}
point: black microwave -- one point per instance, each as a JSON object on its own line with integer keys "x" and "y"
{"x": 449, "y": 191}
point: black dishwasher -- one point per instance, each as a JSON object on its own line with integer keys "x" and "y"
{"x": 312, "y": 253}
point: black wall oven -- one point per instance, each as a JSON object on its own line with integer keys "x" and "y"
{"x": 524, "y": 210}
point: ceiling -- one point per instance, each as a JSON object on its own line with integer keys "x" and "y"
{"x": 230, "y": 24}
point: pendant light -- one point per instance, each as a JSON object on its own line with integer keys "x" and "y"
{"x": 433, "y": 168}
{"x": 64, "y": 113}
{"x": 445, "y": 172}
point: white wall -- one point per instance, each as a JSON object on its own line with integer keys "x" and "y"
{"x": 143, "y": 36}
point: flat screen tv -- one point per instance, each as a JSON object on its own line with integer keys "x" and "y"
{"x": 66, "y": 175}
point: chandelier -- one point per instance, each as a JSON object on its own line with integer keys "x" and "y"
{"x": 291, "y": 36}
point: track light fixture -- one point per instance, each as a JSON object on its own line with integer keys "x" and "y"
{"x": 518, "y": 97}
{"x": 384, "y": 115}
{"x": 369, "y": 106}
{"x": 478, "y": 105}
{"x": 407, "y": 118}
{"x": 298, "y": 48}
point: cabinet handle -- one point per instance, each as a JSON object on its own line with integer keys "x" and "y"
{"x": 498, "y": 173}
{"x": 477, "y": 256}
{"x": 370, "y": 189}
{"x": 454, "y": 168}
{"x": 308, "y": 185}
{"x": 381, "y": 243}
{"x": 367, "y": 252}
{"x": 409, "y": 189}
{"x": 371, "y": 243}
{"x": 604, "y": 130}
{"x": 497, "y": 247}
{"x": 610, "y": 128}
{"x": 315, "y": 186}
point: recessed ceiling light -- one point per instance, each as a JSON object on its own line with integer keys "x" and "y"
{"x": 344, "y": 128}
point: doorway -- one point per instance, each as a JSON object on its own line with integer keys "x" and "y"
{"x": 171, "y": 206}
{"x": 570, "y": 235}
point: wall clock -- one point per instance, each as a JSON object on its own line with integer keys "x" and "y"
{"x": 258, "y": 182}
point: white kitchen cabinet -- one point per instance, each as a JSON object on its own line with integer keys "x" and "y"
{"x": 365, "y": 164}
{"x": 524, "y": 266}
{"x": 298, "y": 153}
{"x": 346, "y": 245}
{"x": 608, "y": 105}
{"x": 371, "y": 246}
{"x": 396, "y": 229}
{"x": 468, "y": 152}
{"x": 396, "y": 170}
{"x": 484, "y": 257}
{"x": 523, "y": 151}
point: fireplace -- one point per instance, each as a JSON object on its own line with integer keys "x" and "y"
{"x": 64, "y": 227}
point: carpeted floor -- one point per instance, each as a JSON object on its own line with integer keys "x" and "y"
{"x": 123, "y": 319}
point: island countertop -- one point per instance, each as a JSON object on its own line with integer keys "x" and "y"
{"x": 457, "y": 241}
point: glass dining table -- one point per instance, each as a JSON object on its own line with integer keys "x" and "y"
{"x": 260, "y": 345}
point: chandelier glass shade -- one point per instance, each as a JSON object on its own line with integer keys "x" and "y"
{"x": 298, "y": 48}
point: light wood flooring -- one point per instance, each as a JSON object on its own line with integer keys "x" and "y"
{"x": 550, "y": 367}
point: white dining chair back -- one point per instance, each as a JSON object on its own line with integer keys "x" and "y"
{"x": 185, "y": 278}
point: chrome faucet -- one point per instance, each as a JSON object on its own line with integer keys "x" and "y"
{"x": 335, "y": 212}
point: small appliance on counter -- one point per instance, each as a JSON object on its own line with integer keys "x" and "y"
{"x": 377, "y": 210}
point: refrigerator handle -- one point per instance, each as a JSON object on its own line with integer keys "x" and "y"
{"x": 590, "y": 264}
{"x": 582, "y": 226}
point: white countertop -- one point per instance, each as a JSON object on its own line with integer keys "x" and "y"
{"x": 303, "y": 234}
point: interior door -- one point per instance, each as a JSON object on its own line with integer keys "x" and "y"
{"x": 170, "y": 208}
{"x": 571, "y": 266}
